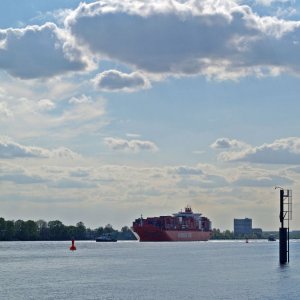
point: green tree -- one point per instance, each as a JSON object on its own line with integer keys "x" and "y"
{"x": 26, "y": 231}
{"x": 2, "y": 228}
{"x": 72, "y": 231}
{"x": 57, "y": 231}
{"x": 125, "y": 229}
{"x": 90, "y": 234}
{"x": 216, "y": 234}
{"x": 43, "y": 230}
{"x": 99, "y": 231}
{"x": 80, "y": 231}
{"x": 108, "y": 229}
{"x": 31, "y": 230}
{"x": 21, "y": 233}
{"x": 9, "y": 233}
{"x": 225, "y": 235}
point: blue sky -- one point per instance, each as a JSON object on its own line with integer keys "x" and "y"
{"x": 110, "y": 109}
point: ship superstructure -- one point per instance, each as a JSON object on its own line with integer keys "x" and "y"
{"x": 182, "y": 226}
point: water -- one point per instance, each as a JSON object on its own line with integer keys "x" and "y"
{"x": 133, "y": 270}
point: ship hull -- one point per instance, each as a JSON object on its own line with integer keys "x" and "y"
{"x": 158, "y": 235}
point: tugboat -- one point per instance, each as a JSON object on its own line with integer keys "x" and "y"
{"x": 106, "y": 237}
{"x": 271, "y": 238}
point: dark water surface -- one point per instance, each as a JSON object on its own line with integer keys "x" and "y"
{"x": 133, "y": 270}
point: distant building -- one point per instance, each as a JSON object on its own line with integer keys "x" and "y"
{"x": 242, "y": 226}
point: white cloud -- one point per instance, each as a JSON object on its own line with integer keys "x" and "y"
{"x": 286, "y": 12}
{"x": 267, "y": 181}
{"x": 22, "y": 178}
{"x": 130, "y": 145}
{"x": 82, "y": 112}
{"x": 2, "y": 92}
{"x": 19, "y": 116}
{"x": 281, "y": 151}
{"x": 85, "y": 118}
{"x": 201, "y": 176}
{"x": 226, "y": 143}
{"x": 185, "y": 170}
{"x": 115, "y": 81}
{"x": 46, "y": 105}
{"x": 152, "y": 190}
{"x": 295, "y": 169}
{"x": 272, "y": 2}
{"x": 213, "y": 38}
{"x": 38, "y": 51}
{"x": 66, "y": 183}
{"x": 220, "y": 39}
{"x": 10, "y": 149}
{"x": 133, "y": 135}
{"x": 79, "y": 173}
{"x": 63, "y": 152}
{"x": 4, "y": 110}
{"x": 80, "y": 99}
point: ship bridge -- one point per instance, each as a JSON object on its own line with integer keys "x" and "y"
{"x": 188, "y": 213}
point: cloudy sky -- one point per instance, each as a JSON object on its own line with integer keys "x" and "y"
{"x": 112, "y": 109}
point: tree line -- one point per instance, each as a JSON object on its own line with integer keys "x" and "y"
{"x": 229, "y": 235}
{"x": 55, "y": 231}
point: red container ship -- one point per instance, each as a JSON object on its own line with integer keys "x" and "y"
{"x": 182, "y": 226}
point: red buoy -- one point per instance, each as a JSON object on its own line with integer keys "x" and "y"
{"x": 73, "y": 248}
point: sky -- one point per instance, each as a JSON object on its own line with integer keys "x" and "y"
{"x": 112, "y": 109}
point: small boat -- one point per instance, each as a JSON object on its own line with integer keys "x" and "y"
{"x": 106, "y": 238}
{"x": 271, "y": 238}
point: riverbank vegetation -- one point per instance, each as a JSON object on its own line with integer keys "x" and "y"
{"x": 229, "y": 235}
{"x": 55, "y": 231}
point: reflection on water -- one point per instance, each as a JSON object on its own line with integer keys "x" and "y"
{"x": 133, "y": 270}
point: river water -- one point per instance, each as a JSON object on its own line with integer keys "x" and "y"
{"x": 134, "y": 270}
